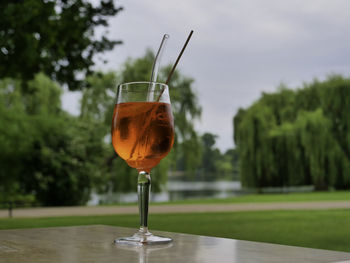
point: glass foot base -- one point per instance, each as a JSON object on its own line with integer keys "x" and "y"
{"x": 143, "y": 238}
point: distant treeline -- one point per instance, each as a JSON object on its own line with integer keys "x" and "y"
{"x": 297, "y": 137}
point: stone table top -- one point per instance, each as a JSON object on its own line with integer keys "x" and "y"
{"x": 95, "y": 244}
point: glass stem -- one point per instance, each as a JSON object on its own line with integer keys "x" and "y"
{"x": 143, "y": 191}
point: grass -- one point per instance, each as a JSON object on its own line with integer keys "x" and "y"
{"x": 260, "y": 198}
{"x": 325, "y": 229}
{"x": 267, "y": 198}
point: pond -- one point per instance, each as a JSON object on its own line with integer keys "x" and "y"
{"x": 176, "y": 190}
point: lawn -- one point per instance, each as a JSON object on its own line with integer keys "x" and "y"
{"x": 266, "y": 198}
{"x": 325, "y": 229}
{"x": 261, "y": 198}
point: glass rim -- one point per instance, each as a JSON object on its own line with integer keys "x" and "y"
{"x": 143, "y": 82}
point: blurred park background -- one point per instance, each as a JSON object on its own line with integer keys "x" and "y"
{"x": 285, "y": 105}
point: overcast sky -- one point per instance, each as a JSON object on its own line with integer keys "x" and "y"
{"x": 238, "y": 50}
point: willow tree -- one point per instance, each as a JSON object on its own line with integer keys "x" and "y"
{"x": 335, "y": 101}
{"x": 297, "y": 137}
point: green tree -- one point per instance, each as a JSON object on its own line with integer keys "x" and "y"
{"x": 227, "y": 165}
{"x": 15, "y": 139}
{"x": 56, "y": 37}
{"x": 210, "y": 154}
{"x": 297, "y": 137}
{"x": 45, "y": 151}
{"x": 215, "y": 165}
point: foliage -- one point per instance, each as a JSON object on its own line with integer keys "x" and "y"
{"x": 227, "y": 165}
{"x": 297, "y": 137}
{"x": 210, "y": 155}
{"x": 45, "y": 151}
{"x": 215, "y": 165}
{"x": 56, "y": 37}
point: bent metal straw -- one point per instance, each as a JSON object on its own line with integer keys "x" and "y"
{"x": 157, "y": 59}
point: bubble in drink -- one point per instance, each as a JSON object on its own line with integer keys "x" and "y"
{"x": 142, "y": 133}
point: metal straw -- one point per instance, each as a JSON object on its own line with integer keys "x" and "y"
{"x": 157, "y": 59}
{"x": 177, "y": 61}
{"x": 178, "y": 58}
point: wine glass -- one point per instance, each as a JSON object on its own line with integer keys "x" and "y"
{"x": 142, "y": 135}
